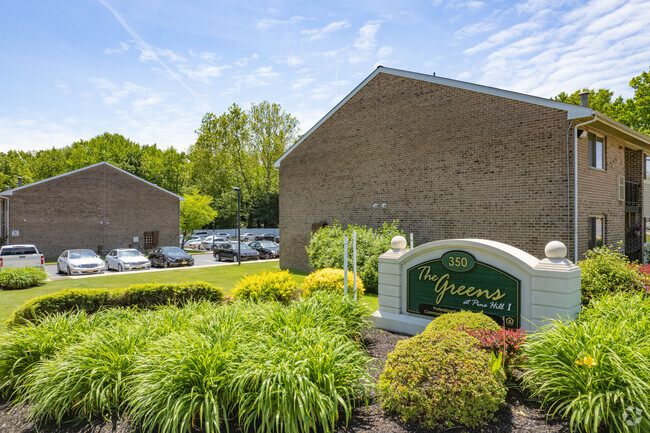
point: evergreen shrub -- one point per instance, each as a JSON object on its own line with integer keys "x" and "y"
{"x": 92, "y": 300}
{"x": 326, "y": 249}
{"x": 331, "y": 280}
{"x": 607, "y": 270}
{"x": 466, "y": 319}
{"x": 441, "y": 378}
{"x": 266, "y": 286}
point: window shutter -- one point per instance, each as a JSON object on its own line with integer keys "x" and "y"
{"x": 621, "y": 187}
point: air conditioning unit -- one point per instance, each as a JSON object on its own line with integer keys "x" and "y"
{"x": 621, "y": 187}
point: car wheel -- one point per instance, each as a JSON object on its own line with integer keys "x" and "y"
{"x": 69, "y": 271}
{"x": 106, "y": 266}
{"x": 58, "y": 269}
{"x": 120, "y": 268}
{"x": 234, "y": 258}
{"x": 266, "y": 256}
{"x": 217, "y": 257}
{"x": 165, "y": 264}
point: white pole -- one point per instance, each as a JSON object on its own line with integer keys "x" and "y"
{"x": 345, "y": 264}
{"x": 411, "y": 240}
{"x": 354, "y": 261}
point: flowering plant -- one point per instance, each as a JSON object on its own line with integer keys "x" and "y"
{"x": 503, "y": 343}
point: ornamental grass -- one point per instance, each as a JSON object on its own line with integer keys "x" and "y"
{"x": 265, "y": 366}
{"x": 595, "y": 370}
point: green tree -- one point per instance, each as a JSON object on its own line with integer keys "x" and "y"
{"x": 633, "y": 112}
{"x": 14, "y": 164}
{"x": 238, "y": 148}
{"x": 195, "y": 213}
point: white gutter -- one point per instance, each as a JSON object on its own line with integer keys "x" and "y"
{"x": 575, "y": 186}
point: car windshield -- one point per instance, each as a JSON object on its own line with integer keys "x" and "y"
{"x": 243, "y": 246}
{"x": 129, "y": 253}
{"x": 86, "y": 254}
{"x": 268, "y": 244}
{"x": 173, "y": 250}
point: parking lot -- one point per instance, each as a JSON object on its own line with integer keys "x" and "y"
{"x": 200, "y": 260}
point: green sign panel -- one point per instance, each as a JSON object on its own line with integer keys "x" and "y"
{"x": 457, "y": 281}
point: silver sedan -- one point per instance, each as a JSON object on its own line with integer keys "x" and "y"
{"x": 79, "y": 262}
{"x": 125, "y": 259}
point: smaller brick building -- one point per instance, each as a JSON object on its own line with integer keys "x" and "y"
{"x": 99, "y": 207}
{"x": 451, "y": 159}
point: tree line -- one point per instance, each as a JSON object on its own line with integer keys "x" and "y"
{"x": 234, "y": 149}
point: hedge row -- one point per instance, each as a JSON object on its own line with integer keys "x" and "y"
{"x": 92, "y": 300}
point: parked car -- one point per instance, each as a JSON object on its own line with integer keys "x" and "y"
{"x": 223, "y": 235}
{"x": 266, "y": 237}
{"x": 207, "y": 243}
{"x": 267, "y": 249}
{"x": 195, "y": 243}
{"x": 170, "y": 256}
{"x": 247, "y": 237}
{"x": 125, "y": 259}
{"x": 228, "y": 250}
{"x": 20, "y": 256}
{"x": 79, "y": 262}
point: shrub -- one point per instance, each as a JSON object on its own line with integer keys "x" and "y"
{"x": 440, "y": 378}
{"x": 606, "y": 270}
{"x": 330, "y": 280}
{"x": 504, "y": 343}
{"x": 92, "y": 300}
{"x": 596, "y": 369}
{"x": 467, "y": 319}
{"x": 266, "y": 286}
{"x": 21, "y": 278}
{"x": 326, "y": 249}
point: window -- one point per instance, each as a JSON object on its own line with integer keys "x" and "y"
{"x": 596, "y": 231}
{"x": 646, "y": 173}
{"x": 596, "y": 151}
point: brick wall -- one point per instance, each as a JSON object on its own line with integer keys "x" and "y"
{"x": 448, "y": 163}
{"x": 598, "y": 191}
{"x": 71, "y": 212}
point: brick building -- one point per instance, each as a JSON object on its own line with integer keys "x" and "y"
{"x": 452, "y": 159}
{"x": 99, "y": 207}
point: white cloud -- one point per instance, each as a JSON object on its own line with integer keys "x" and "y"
{"x": 302, "y": 82}
{"x": 484, "y": 26}
{"x": 471, "y": 5}
{"x": 315, "y": 34}
{"x": 202, "y": 72}
{"x": 267, "y": 23}
{"x": 385, "y": 51}
{"x": 365, "y": 42}
{"x": 601, "y": 44}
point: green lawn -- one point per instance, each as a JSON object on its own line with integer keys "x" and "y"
{"x": 222, "y": 276}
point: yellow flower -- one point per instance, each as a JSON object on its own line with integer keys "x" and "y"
{"x": 587, "y": 360}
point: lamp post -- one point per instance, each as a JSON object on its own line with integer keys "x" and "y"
{"x": 234, "y": 188}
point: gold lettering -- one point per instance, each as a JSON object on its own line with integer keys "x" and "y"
{"x": 443, "y": 286}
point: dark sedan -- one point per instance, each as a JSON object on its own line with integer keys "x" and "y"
{"x": 170, "y": 256}
{"x": 266, "y": 237}
{"x": 228, "y": 250}
{"x": 267, "y": 249}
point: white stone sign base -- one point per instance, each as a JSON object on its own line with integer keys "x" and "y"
{"x": 549, "y": 288}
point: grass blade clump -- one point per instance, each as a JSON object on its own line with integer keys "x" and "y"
{"x": 183, "y": 382}
{"x": 88, "y": 378}
{"x": 300, "y": 381}
{"x": 595, "y": 370}
{"x": 30, "y": 344}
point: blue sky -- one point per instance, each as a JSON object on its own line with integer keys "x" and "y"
{"x": 150, "y": 69}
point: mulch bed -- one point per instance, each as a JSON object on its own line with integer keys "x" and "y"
{"x": 517, "y": 414}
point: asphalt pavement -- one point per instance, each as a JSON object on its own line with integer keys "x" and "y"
{"x": 200, "y": 261}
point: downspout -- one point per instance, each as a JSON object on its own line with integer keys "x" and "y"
{"x": 575, "y": 186}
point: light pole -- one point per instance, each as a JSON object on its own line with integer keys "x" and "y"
{"x": 234, "y": 188}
